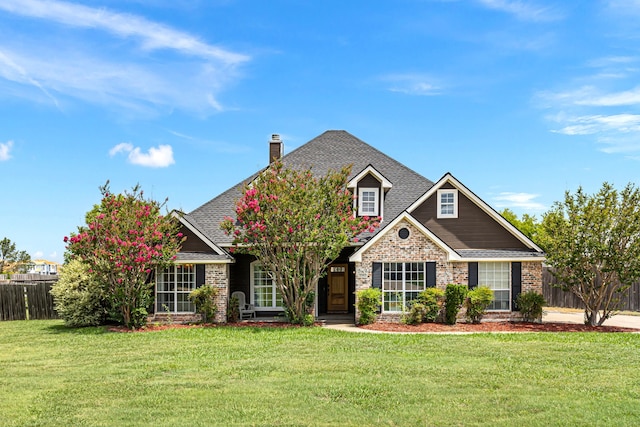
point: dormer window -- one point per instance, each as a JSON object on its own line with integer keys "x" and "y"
{"x": 368, "y": 201}
{"x": 370, "y": 187}
{"x": 448, "y": 203}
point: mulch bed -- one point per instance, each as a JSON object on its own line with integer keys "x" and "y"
{"x": 494, "y": 327}
{"x": 399, "y": 327}
{"x": 153, "y": 327}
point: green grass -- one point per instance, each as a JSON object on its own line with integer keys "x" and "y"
{"x": 54, "y": 376}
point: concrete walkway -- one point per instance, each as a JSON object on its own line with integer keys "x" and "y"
{"x": 345, "y": 323}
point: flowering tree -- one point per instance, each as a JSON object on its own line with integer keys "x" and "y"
{"x": 296, "y": 224}
{"x": 593, "y": 243}
{"x": 126, "y": 237}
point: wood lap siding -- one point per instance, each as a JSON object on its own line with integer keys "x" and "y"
{"x": 240, "y": 275}
{"x": 193, "y": 242}
{"x": 473, "y": 229}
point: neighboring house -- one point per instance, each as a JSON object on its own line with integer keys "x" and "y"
{"x": 42, "y": 266}
{"x": 431, "y": 234}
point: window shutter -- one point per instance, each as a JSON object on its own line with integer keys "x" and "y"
{"x": 200, "y": 278}
{"x": 473, "y": 275}
{"x": 431, "y": 274}
{"x": 516, "y": 283}
{"x": 376, "y": 276}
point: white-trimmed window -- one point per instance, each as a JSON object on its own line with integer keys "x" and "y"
{"x": 496, "y": 276}
{"x": 448, "y": 203}
{"x": 264, "y": 292}
{"x": 173, "y": 287}
{"x": 368, "y": 201}
{"x": 401, "y": 283}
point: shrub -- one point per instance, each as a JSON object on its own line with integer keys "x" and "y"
{"x": 416, "y": 314}
{"x": 530, "y": 304}
{"x": 477, "y": 301}
{"x": 79, "y": 297}
{"x": 369, "y": 300}
{"x": 204, "y": 299}
{"x": 233, "y": 310}
{"x": 454, "y": 297}
{"x": 426, "y": 307}
{"x": 433, "y": 300}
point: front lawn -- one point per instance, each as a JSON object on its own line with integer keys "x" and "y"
{"x": 54, "y": 376}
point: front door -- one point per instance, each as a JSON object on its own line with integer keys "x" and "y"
{"x": 338, "y": 288}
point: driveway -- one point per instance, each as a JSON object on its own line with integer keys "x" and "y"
{"x": 621, "y": 320}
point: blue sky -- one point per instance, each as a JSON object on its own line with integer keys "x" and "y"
{"x": 520, "y": 99}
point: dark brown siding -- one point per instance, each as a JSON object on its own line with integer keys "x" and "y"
{"x": 473, "y": 229}
{"x": 240, "y": 275}
{"x": 193, "y": 242}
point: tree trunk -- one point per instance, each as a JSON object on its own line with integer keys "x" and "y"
{"x": 591, "y": 318}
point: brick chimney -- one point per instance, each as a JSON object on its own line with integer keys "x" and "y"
{"x": 275, "y": 148}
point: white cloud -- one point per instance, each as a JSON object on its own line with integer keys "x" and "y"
{"x": 523, "y": 10}
{"x": 588, "y": 125}
{"x": 602, "y": 106}
{"x": 151, "y": 34}
{"x": 159, "y": 157}
{"x": 5, "y": 148}
{"x": 122, "y": 61}
{"x": 619, "y": 144}
{"x": 413, "y": 84}
{"x": 38, "y": 254}
{"x": 627, "y": 97}
{"x": 518, "y": 200}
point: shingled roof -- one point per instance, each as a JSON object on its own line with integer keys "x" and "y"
{"x": 331, "y": 150}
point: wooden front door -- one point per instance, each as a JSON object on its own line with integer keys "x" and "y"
{"x": 338, "y": 288}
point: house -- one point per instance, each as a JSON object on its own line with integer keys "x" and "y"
{"x": 42, "y": 266}
{"x": 431, "y": 234}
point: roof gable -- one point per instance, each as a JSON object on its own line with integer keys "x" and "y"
{"x": 386, "y": 184}
{"x": 497, "y": 222}
{"x": 405, "y": 216}
{"x": 192, "y": 227}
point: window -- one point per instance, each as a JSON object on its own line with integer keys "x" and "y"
{"x": 497, "y": 276}
{"x": 401, "y": 283}
{"x": 447, "y": 203}
{"x": 266, "y": 295}
{"x": 368, "y": 201}
{"x": 404, "y": 233}
{"x": 173, "y": 287}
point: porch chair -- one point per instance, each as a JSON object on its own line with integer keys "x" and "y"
{"x": 245, "y": 309}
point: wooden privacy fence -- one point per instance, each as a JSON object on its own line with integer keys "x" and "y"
{"x": 26, "y": 301}
{"x": 556, "y": 297}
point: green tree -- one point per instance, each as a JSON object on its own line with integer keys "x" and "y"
{"x": 528, "y": 224}
{"x": 125, "y": 238}
{"x": 593, "y": 243}
{"x": 296, "y": 223}
{"x": 12, "y": 259}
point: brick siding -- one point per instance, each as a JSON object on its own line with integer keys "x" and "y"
{"x": 419, "y": 248}
{"x": 217, "y": 275}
